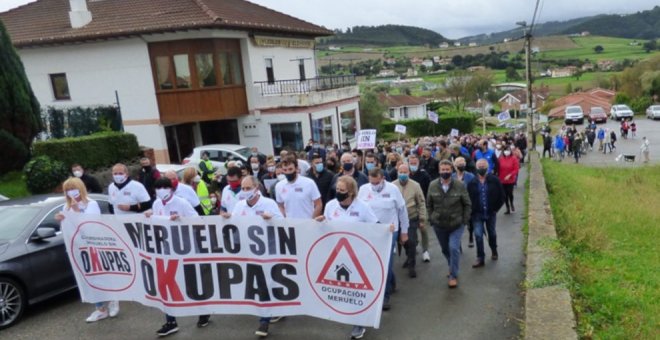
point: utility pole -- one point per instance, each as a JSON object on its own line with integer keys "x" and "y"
{"x": 531, "y": 133}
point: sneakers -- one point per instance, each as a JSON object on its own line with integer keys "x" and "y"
{"x": 478, "y": 263}
{"x": 203, "y": 321}
{"x": 426, "y": 257}
{"x": 276, "y": 319}
{"x": 262, "y": 331}
{"x": 167, "y": 329}
{"x": 386, "y": 305}
{"x": 453, "y": 283}
{"x": 113, "y": 308}
{"x": 358, "y": 332}
{"x": 97, "y": 315}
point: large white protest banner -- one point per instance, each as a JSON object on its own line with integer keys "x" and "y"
{"x": 242, "y": 265}
{"x": 366, "y": 139}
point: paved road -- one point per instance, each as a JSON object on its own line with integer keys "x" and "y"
{"x": 645, "y": 127}
{"x": 486, "y": 305}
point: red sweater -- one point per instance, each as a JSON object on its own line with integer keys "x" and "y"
{"x": 508, "y": 166}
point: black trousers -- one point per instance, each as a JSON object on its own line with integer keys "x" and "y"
{"x": 508, "y": 195}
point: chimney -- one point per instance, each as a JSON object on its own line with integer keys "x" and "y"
{"x": 79, "y": 14}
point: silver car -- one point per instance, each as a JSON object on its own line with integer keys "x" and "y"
{"x": 621, "y": 111}
{"x": 653, "y": 112}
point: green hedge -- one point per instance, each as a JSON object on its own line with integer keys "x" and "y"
{"x": 463, "y": 122}
{"x": 95, "y": 151}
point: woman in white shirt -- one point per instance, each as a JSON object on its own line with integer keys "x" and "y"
{"x": 77, "y": 201}
{"x": 346, "y": 207}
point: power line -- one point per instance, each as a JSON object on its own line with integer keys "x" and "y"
{"x": 536, "y": 10}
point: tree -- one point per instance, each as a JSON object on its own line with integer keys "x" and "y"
{"x": 599, "y": 49}
{"x": 371, "y": 110}
{"x": 456, "y": 86}
{"x": 512, "y": 74}
{"x": 20, "y": 115}
{"x": 650, "y": 45}
{"x": 578, "y": 73}
{"x": 478, "y": 87}
{"x": 568, "y": 89}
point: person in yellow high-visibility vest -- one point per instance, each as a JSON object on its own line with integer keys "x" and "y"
{"x": 206, "y": 168}
{"x": 191, "y": 178}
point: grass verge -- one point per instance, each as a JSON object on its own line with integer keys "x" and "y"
{"x": 607, "y": 220}
{"x": 13, "y": 185}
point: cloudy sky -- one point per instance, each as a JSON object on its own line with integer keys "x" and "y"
{"x": 451, "y": 18}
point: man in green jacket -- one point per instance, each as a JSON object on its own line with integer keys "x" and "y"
{"x": 449, "y": 208}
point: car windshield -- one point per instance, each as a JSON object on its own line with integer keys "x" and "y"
{"x": 622, "y": 107}
{"x": 574, "y": 110}
{"x": 655, "y": 107}
{"x": 245, "y": 152}
{"x": 13, "y": 220}
{"x": 597, "y": 110}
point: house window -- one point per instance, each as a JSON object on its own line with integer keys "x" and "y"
{"x": 405, "y": 113}
{"x": 235, "y": 62}
{"x": 60, "y": 86}
{"x": 286, "y": 135}
{"x": 392, "y": 113}
{"x": 163, "y": 73}
{"x": 270, "y": 73}
{"x": 182, "y": 71}
{"x": 348, "y": 125}
{"x": 322, "y": 130}
{"x": 301, "y": 69}
{"x": 205, "y": 70}
{"x": 230, "y": 68}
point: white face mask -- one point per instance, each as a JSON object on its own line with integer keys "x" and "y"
{"x": 197, "y": 179}
{"x": 73, "y": 193}
{"x": 507, "y": 152}
{"x": 255, "y": 166}
{"x": 247, "y": 195}
{"x": 119, "y": 179}
{"x": 163, "y": 193}
{"x": 281, "y": 177}
{"x": 214, "y": 200}
{"x": 378, "y": 187}
{"x": 78, "y": 173}
{"x": 271, "y": 169}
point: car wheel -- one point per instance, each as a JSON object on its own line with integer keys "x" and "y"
{"x": 12, "y": 302}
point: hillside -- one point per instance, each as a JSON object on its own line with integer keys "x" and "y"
{"x": 542, "y": 30}
{"x": 386, "y": 35}
{"x": 641, "y": 25}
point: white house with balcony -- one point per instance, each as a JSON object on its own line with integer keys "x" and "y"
{"x": 186, "y": 72}
{"x": 402, "y": 107}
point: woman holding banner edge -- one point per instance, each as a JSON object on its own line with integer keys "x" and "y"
{"x": 78, "y": 202}
{"x": 346, "y": 207}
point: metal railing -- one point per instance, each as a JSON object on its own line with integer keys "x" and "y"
{"x": 297, "y": 86}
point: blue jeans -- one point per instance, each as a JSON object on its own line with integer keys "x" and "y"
{"x": 478, "y": 222}
{"x": 450, "y": 242}
{"x": 390, "y": 273}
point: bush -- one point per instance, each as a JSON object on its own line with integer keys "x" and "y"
{"x": 96, "y": 151}
{"x": 463, "y": 122}
{"x": 81, "y": 121}
{"x": 13, "y": 153}
{"x": 639, "y": 105}
{"x": 43, "y": 174}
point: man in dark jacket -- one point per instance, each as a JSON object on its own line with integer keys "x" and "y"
{"x": 449, "y": 208}
{"x": 148, "y": 176}
{"x": 487, "y": 196}
{"x": 429, "y": 163}
{"x": 321, "y": 176}
{"x": 455, "y": 150}
{"x": 347, "y": 169}
{"x": 91, "y": 184}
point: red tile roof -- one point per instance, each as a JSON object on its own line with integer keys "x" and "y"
{"x": 47, "y": 21}
{"x": 401, "y": 100}
{"x": 586, "y": 100}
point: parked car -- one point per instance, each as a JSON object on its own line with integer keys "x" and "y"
{"x": 219, "y": 154}
{"x": 573, "y": 114}
{"x": 597, "y": 114}
{"x": 178, "y": 168}
{"x": 621, "y": 111}
{"x": 653, "y": 112}
{"x": 34, "y": 265}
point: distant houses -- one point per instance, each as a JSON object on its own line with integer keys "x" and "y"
{"x": 400, "y": 107}
{"x": 517, "y": 100}
{"x": 587, "y": 99}
{"x": 444, "y": 45}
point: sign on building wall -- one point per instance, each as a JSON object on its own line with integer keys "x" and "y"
{"x": 283, "y": 42}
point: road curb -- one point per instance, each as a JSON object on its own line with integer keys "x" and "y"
{"x": 548, "y": 310}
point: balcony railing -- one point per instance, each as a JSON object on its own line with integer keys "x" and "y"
{"x": 297, "y": 86}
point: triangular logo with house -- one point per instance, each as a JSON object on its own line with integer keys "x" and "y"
{"x": 339, "y": 274}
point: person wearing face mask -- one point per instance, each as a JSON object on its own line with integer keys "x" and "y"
{"x": 346, "y": 207}
{"x": 316, "y": 148}
{"x": 371, "y": 162}
{"x": 321, "y": 176}
{"x": 185, "y": 191}
{"x": 91, "y": 184}
{"x": 78, "y": 202}
{"x": 298, "y": 196}
{"x": 417, "y": 217}
{"x": 256, "y": 169}
{"x": 487, "y": 196}
{"x": 429, "y": 163}
{"x": 389, "y": 206}
{"x": 489, "y": 155}
{"x": 206, "y": 167}
{"x": 465, "y": 177}
{"x": 331, "y": 161}
{"x": 126, "y": 195}
{"x": 347, "y": 169}
{"x": 455, "y": 150}
{"x": 192, "y": 179}
{"x": 229, "y": 196}
{"x": 269, "y": 177}
{"x": 508, "y": 174}
{"x": 449, "y": 209}
{"x": 170, "y": 207}
{"x": 420, "y": 176}
{"x": 252, "y": 203}
{"x": 148, "y": 176}
{"x": 215, "y": 203}
{"x": 254, "y": 153}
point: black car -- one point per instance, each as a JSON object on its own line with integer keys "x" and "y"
{"x": 33, "y": 262}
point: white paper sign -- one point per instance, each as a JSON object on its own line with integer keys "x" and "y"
{"x": 399, "y": 128}
{"x": 502, "y": 116}
{"x": 366, "y": 139}
{"x": 433, "y": 117}
{"x": 454, "y": 133}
